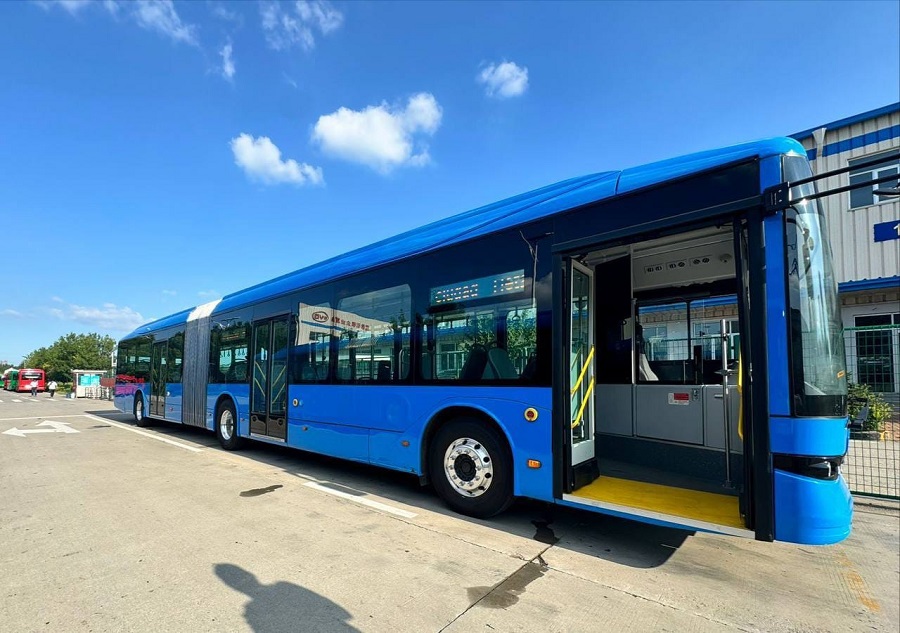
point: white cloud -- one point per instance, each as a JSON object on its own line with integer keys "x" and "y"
{"x": 285, "y": 28}
{"x": 108, "y": 316}
{"x": 261, "y": 160}
{"x": 73, "y": 7}
{"x": 153, "y": 15}
{"x": 379, "y": 136}
{"x": 227, "y": 62}
{"x": 169, "y": 293}
{"x": 504, "y": 80}
{"x": 209, "y": 294}
{"x": 12, "y": 313}
{"x": 222, "y": 13}
{"x": 160, "y": 16}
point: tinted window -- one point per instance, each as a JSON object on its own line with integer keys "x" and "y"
{"x": 311, "y": 353}
{"x": 373, "y": 335}
{"x": 175, "y": 357}
{"x": 480, "y": 329}
{"x": 228, "y": 351}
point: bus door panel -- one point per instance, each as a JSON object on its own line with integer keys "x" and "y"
{"x": 268, "y": 392}
{"x": 614, "y": 359}
{"x": 581, "y": 379}
{"x": 158, "y": 380}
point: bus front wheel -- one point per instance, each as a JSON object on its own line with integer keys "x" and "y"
{"x": 471, "y": 469}
{"x": 226, "y": 427}
{"x": 140, "y": 416}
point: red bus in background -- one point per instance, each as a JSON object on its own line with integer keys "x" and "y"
{"x": 24, "y": 380}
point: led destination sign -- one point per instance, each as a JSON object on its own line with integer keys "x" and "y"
{"x": 502, "y": 284}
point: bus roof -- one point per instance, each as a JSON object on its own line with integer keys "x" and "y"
{"x": 526, "y": 207}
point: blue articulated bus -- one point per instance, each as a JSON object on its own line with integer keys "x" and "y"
{"x": 660, "y": 343}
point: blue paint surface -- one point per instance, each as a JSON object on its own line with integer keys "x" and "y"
{"x": 812, "y": 437}
{"x": 811, "y": 511}
{"x": 371, "y": 423}
{"x": 886, "y": 231}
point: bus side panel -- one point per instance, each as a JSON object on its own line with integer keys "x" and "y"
{"x": 335, "y": 440}
{"x": 390, "y": 415}
{"x": 527, "y": 440}
{"x": 811, "y": 511}
{"x": 124, "y": 393}
{"x": 174, "y": 397}
{"x": 240, "y": 394}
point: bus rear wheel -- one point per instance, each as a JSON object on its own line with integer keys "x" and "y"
{"x": 471, "y": 469}
{"x": 140, "y": 416}
{"x": 227, "y": 427}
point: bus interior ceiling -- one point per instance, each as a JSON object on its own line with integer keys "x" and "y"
{"x": 660, "y": 404}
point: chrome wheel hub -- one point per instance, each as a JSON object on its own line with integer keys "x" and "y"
{"x": 468, "y": 467}
{"x": 226, "y": 424}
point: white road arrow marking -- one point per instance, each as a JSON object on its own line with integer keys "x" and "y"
{"x": 55, "y": 427}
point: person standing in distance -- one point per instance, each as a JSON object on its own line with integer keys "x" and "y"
{"x": 34, "y": 386}
{"x": 51, "y": 387}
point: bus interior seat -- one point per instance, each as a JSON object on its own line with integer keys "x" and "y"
{"x": 499, "y": 365}
{"x": 530, "y": 367}
{"x": 646, "y": 372}
{"x": 474, "y": 367}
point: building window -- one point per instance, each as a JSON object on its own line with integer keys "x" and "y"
{"x": 865, "y": 196}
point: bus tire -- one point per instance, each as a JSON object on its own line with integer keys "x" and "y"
{"x": 140, "y": 413}
{"x": 471, "y": 469}
{"x": 226, "y": 427}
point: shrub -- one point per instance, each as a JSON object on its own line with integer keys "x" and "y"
{"x": 861, "y": 395}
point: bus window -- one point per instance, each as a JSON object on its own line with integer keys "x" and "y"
{"x": 493, "y": 342}
{"x": 373, "y": 335}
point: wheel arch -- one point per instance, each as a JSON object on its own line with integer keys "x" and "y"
{"x": 222, "y": 399}
{"x": 444, "y": 417}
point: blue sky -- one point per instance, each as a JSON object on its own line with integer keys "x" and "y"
{"x": 157, "y": 155}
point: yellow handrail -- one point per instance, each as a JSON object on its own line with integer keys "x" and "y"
{"x": 583, "y": 371}
{"x": 584, "y": 401}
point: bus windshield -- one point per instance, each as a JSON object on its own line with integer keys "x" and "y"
{"x": 818, "y": 366}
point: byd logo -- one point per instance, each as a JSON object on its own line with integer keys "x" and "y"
{"x": 320, "y": 317}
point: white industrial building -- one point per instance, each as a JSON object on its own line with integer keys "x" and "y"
{"x": 865, "y": 236}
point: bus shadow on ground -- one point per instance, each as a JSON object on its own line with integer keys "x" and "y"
{"x": 621, "y": 541}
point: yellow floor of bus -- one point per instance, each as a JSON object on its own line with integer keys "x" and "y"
{"x": 690, "y": 504}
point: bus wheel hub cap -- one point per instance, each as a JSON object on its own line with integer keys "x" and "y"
{"x": 468, "y": 467}
{"x": 226, "y": 425}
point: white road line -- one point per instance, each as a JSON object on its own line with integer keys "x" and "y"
{"x": 14, "y": 400}
{"x": 360, "y": 500}
{"x": 125, "y": 427}
{"x": 40, "y": 417}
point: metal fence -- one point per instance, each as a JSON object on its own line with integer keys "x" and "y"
{"x": 872, "y": 466}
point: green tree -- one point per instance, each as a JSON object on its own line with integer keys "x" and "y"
{"x": 72, "y": 351}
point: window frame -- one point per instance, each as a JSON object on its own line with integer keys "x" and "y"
{"x": 874, "y": 172}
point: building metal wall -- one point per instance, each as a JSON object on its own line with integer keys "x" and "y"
{"x": 857, "y": 256}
